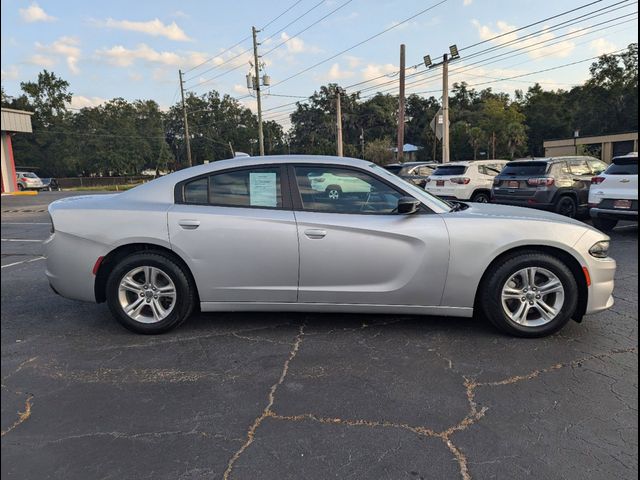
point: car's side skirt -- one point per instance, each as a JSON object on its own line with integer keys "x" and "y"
{"x": 335, "y": 308}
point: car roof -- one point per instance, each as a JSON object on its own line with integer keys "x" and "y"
{"x": 551, "y": 159}
{"x": 466, "y": 163}
{"x": 628, "y": 155}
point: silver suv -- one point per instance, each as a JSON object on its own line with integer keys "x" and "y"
{"x": 28, "y": 181}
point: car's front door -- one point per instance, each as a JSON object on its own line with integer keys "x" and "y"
{"x": 357, "y": 249}
{"x": 237, "y": 232}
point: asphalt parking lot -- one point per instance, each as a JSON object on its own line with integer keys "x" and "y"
{"x": 291, "y": 396}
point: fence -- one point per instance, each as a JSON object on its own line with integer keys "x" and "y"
{"x": 74, "y": 182}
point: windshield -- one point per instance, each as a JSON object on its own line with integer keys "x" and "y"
{"x": 450, "y": 170}
{"x": 28, "y": 175}
{"x": 413, "y": 189}
{"x": 525, "y": 169}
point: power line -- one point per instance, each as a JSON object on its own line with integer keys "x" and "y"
{"x": 308, "y": 27}
{"x": 422, "y": 12}
{"x": 265, "y": 40}
{"x": 244, "y": 39}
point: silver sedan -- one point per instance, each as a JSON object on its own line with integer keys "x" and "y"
{"x": 321, "y": 234}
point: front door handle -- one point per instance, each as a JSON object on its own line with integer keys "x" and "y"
{"x": 315, "y": 234}
{"x": 189, "y": 224}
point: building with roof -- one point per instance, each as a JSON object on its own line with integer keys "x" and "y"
{"x": 13, "y": 121}
{"x": 603, "y": 146}
{"x": 409, "y": 152}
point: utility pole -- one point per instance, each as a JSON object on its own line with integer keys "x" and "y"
{"x": 453, "y": 50}
{"x": 400, "y": 155}
{"x": 339, "y": 122}
{"x": 256, "y": 60}
{"x": 186, "y": 121}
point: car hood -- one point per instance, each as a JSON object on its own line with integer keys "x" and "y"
{"x": 494, "y": 211}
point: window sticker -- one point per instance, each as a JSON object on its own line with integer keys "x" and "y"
{"x": 263, "y": 189}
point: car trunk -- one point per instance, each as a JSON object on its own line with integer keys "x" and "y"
{"x": 513, "y": 181}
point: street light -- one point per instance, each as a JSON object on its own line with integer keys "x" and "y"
{"x": 453, "y": 50}
{"x": 427, "y": 60}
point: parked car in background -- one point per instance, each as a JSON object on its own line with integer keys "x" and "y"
{"x": 613, "y": 195}
{"x": 28, "y": 181}
{"x": 50, "y": 184}
{"x": 471, "y": 180}
{"x": 336, "y": 185}
{"x": 558, "y": 184}
{"x": 253, "y": 234}
{"x": 414, "y": 172}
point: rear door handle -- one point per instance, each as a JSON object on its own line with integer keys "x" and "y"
{"x": 189, "y": 224}
{"x": 315, "y": 233}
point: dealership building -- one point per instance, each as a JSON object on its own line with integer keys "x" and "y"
{"x": 13, "y": 121}
{"x": 603, "y": 146}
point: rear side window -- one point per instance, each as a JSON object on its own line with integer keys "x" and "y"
{"x": 450, "y": 170}
{"x": 525, "y": 168}
{"x": 260, "y": 187}
{"x": 489, "y": 169}
{"x": 623, "y": 166}
{"x": 580, "y": 168}
{"x": 393, "y": 168}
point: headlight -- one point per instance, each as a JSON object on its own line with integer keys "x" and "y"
{"x": 600, "y": 249}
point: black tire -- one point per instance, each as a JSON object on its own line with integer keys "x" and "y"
{"x": 491, "y": 293}
{"x": 20, "y": 187}
{"x": 481, "y": 197}
{"x": 185, "y": 292}
{"x": 567, "y": 206}
{"x": 334, "y": 192}
{"x": 605, "y": 224}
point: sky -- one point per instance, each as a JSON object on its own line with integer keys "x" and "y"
{"x": 133, "y": 49}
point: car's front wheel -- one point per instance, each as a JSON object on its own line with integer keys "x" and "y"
{"x": 149, "y": 293}
{"x": 530, "y": 294}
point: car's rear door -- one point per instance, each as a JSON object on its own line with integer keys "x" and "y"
{"x": 358, "y": 250}
{"x": 236, "y": 230}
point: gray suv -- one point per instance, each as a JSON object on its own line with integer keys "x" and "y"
{"x": 559, "y": 184}
{"x": 414, "y": 172}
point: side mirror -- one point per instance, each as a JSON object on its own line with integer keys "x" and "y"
{"x": 408, "y": 205}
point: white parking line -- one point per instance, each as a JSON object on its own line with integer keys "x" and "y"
{"x": 23, "y": 261}
{"x": 20, "y": 240}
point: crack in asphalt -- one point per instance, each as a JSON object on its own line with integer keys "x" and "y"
{"x": 474, "y": 414}
{"x": 22, "y": 416}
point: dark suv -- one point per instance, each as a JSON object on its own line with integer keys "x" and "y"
{"x": 414, "y": 172}
{"x": 559, "y": 184}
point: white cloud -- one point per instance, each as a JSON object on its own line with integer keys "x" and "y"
{"x": 80, "y": 101}
{"x": 466, "y": 3}
{"x": 135, "y": 76}
{"x": 353, "y": 62}
{"x": 336, "y": 73}
{"x": 374, "y": 70}
{"x": 294, "y": 45}
{"x": 601, "y": 46}
{"x": 238, "y": 88}
{"x": 41, "y": 60}
{"x": 155, "y": 28}
{"x": 66, "y": 47}
{"x": 557, "y": 50}
{"x": 11, "y": 73}
{"x": 34, "y": 13}
{"x": 123, "y": 57}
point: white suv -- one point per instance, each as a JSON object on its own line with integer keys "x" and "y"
{"x": 470, "y": 180}
{"x": 613, "y": 194}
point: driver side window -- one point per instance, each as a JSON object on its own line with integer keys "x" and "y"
{"x": 340, "y": 190}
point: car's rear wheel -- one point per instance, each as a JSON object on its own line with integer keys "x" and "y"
{"x": 480, "y": 197}
{"x": 567, "y": 206}
{"x": 605, "y": 224}
{"x": 149, "y": 293}
{"x": 530, "y": 294}
{"x": 20, "y": 187}
{"x": 334, "y": 192}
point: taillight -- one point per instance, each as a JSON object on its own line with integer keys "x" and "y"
{"x": 597, "y": 180}
{"x": 541, "y": 182}
{"x": 428, "y": 179}
{"x": 24, "y": 179}
{"x": 496, "y": 182}
{"x": 460, "y": 180}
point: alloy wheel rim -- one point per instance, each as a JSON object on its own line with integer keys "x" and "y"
{"x": 567, "y": 209}
{"x": 147, "y": 294}
{"x": 334, "y": 194}
{"x": 532, "y": 297}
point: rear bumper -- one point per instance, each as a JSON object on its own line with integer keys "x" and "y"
{"x": 614, "y": 214}
{"x": 70, "y": 261}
